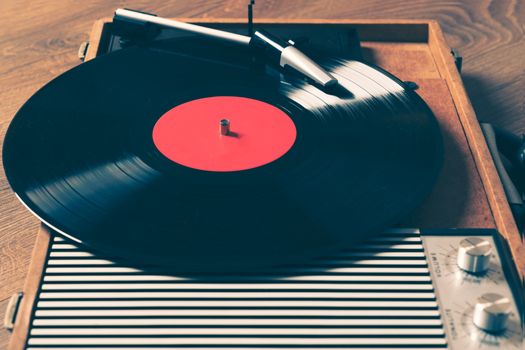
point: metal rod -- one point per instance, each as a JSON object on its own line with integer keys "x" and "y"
{"x": 224, "y": 127}
{"x": 215, "y": 33}
{"x": 250, "y": 17}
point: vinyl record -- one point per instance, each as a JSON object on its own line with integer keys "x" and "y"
{"x": 124, "y": 154}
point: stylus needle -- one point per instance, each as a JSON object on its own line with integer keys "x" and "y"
{"x": 275, "y": 50}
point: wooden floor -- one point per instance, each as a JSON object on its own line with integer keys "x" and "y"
{"x": 39, "y": 40}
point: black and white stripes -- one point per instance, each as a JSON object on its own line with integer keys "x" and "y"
{"x": 378, "y": 296}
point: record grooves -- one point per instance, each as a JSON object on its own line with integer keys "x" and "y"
{"x": 82, "y": 155}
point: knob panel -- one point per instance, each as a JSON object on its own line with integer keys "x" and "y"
{"x": 479, "y": 310}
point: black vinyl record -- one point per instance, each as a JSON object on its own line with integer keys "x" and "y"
{"x": 81, "y": 156}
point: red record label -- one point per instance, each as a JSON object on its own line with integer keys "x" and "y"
{"x": 191, "y": 134}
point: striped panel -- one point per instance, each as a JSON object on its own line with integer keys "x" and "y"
{"x": 376, "y": 296}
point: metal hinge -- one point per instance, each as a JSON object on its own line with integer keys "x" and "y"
{"x": 458, "y": 60}
{"x": 82, "y": 50}
{"x": 12, "y": 311}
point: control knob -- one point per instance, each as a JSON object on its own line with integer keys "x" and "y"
{"x": 474, "y": 255}
{"x": 492, "y": 312}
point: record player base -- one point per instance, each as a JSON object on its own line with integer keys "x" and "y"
{"x": 468, "y": 193}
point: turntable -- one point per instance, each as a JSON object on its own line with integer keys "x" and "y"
{"x": 200, "y": 194}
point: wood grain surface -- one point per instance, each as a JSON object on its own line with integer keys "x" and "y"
{"x": 39, "y": 40}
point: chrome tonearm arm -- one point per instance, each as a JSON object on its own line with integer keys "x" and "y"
{"x": 274, "y": 49}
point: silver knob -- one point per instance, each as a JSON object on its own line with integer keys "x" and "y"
{"x": 474, "y": 255}
{"x": 492, "y": 312}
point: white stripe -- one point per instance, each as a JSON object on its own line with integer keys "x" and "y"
{"x": 232, "y": 295}
{"x": 397, "y": 234}
{"x": 393, "y": 232}
{"x": 228, "y": 279}
{"x": 379, "y": 245}
{"x": 375, "y": 270}
{"x": 394, "y": 239}
{"x": 215, "y": 286}
{"x": 253, "y": 347}
{"x": 63, "y": 246}
{"x": 94, "y": 269}
{"x": 233, "y": 312}
{"x": 340, "y": 258}
{"x": 235, "y": 341}
{"x": 338, "y": 278}
{"x": 234, "y": 322}
{"x": 230, "y": 303}
{"x": 376, "y": 245}
{"x": 380, "y": 262}
{"x": 79, "y": 262}
{"x": 70, "y": 255}
{"x": 236, "y": 331}
{"x": 419, "y": 262}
